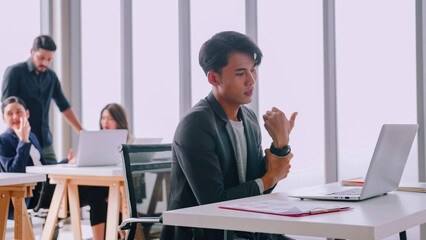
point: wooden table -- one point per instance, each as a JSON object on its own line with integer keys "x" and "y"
{"x": 17, "y": 186}
{"x": 370, "y": 219}
{"x": 67, "y": 180}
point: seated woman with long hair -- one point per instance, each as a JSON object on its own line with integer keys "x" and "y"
{"x": 20, "y": 148}
{"x": 113, "y": 116}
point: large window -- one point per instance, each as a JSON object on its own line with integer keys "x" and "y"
{"x": 207, "y": 19}
{"x": 155, "y": 68}
{"x": 291, "y": 79}
{"x": 100, "y": 23}
{"x": 376, "y": 81}
{"x": 17, "y": 38}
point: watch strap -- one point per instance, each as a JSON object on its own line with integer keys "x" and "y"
{"x": 280, "y": 151}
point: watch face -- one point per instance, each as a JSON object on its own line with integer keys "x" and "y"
{"x": 288, "y": 148}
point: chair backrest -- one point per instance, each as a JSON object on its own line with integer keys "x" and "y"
{"x": 140, "y": 159}
{"x": 42, "y": 196}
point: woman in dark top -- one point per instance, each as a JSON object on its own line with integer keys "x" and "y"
{"x": 113, "y": 116}
{"x": 20, "y": 148}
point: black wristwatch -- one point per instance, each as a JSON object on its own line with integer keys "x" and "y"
{"x": 282, "y": 152}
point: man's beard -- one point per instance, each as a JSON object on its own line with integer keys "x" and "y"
{"x": 41, "y": 68}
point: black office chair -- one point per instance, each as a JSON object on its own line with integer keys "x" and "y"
{"x": 138, "y": 160}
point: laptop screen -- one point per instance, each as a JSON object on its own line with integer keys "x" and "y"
{"x": 97, "y": 148}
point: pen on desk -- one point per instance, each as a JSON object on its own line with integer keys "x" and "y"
{"x": 323, "y": 210}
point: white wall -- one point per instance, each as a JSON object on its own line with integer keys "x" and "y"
{"x": 376, "y": 78}
{"x": 17, "y": 39}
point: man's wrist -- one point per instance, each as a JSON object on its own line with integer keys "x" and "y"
{"x": 267, "y": 181}
{"x": 279, "y": 144}
{"x": 281, "y": 152}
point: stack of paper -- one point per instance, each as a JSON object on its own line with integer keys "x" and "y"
{"x": 359, "y": 181}
{"x": 283, "y": 208}
{"x": 413, "y": 187}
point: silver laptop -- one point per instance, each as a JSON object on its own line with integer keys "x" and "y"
{"x": 148, "y": 156}
{"x": 147, "y": 140}
{"x": 98, "y": 148}
{"x": 385, "y": 170}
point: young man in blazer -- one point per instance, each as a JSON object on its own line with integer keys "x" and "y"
{"x": 217, "y": 152}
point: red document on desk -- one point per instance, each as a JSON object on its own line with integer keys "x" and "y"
{"x": 282, "y": 208}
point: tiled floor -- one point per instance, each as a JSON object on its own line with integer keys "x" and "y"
{"x": 65, "y": 231}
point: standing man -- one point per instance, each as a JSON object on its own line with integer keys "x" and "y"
{"x": 217, "y": 152}
{"x": 37, "y": 85}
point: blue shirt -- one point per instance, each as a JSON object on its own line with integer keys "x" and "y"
{"x": 37, "y": 91}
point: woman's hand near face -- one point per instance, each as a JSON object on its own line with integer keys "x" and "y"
{"x": 71, "y": 157}
{"x": 23, "y": 131}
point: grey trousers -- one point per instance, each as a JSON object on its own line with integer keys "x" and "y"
{"x": 49, "y": 154}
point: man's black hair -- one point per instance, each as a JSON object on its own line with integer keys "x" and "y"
{"x": 215, "y": 52}
{"x": 44, "y": 42}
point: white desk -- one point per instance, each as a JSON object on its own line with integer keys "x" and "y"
{"x": 61, "y": 169}
{"x": 375, "y": 218}
{"x": 67, "y": 180}
{"x": 17, "y": 186}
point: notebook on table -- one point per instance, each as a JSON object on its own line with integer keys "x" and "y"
{"x": 359, "y": 181}
{"x": 385, "y": 170}
{"x": 282, "y": 208}
{"x": 413, "y": 187}
{"x": 99, "y": 148}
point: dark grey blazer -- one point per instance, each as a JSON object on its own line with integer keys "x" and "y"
{"x": 204, "y": 168}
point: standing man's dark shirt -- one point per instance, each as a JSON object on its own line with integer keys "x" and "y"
{"x": 37, "y": 91}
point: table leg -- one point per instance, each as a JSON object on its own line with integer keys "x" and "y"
{"x": 63, "y": 207}
{"x": 124, "y": 205}
{"x": 228, "y": 234}
{"x": 75, "y": 210}
{"x": 167, "y": 180}
{"x": 113, "y": 211}
{"x": 28, "y": 228}
{"x": 18, "y": 203}
{"x": 157, "y": 194}
{"x": 423, "y": 231}
{"x": 4, "y": 211}
{"x": 139, "y": 233}
{"x": 52, "y": 216}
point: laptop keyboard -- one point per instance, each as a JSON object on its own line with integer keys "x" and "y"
{"x": 352, "y": 191}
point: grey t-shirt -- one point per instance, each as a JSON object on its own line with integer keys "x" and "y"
{"x": 241, "y": 153}
{"x": 241, "y": 148}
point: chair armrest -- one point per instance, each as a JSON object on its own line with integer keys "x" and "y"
{"x": 127, "y": 222}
